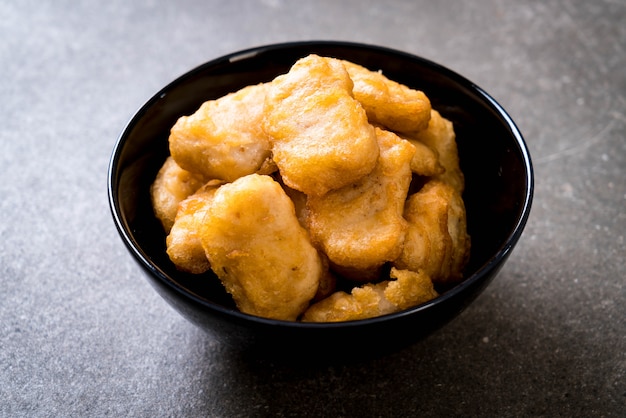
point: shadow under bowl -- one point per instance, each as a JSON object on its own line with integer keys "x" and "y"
{"x": 498, "y": 196}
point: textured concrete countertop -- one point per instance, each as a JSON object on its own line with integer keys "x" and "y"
{"x": 82, "y": 333}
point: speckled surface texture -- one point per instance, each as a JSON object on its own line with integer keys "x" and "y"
{"x": 83, "y": 334}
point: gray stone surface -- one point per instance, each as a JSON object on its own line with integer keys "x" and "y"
{"x": 83, "y": 334}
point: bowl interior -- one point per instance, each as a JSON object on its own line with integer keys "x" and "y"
{"x": 493, "y": 156}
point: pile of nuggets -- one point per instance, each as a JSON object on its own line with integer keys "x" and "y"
{"x": 330, "y": 193}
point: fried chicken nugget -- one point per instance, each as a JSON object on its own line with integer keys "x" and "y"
{"x": 362, "y": 302}
{"x": 171, "y": 186}
{"x": 409, "y": 289}
{"x": 258, "y": 249}
{"x": 436, "y": 241}
{"x": 321, "y": 138}
{"x": 183, "y": 243}
{"x": 425, "y": 161}
{"x": 440, "y": 136}
{"x": 370, "y": 300}
{"x": 360, "y": 226}
{"x": 391, "y": 104}
{"x": 224, "y": 138}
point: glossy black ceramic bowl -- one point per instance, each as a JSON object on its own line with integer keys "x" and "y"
{"x": 494, "y": 158}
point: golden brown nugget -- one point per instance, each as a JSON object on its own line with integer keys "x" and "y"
{"x": 321, "y": 138}
{"x": 258, "y": 249}
{"x": 391, "y": 104}
{"x": 360, "y": 226}
{"x": 171, "y": 186}
{"x": 183, "y": 243}
{"x": 363, "y": 302}
{"x": 425, "y": 161}
{"x": 404, "y": 290}
{"x": 224, "y": 138}
{"x": 441, "y": 137}
{"x": 410, "y": 288}
{"x": 436, "y": 241}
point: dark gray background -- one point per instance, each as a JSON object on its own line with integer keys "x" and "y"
{"x": 83, "y": 334}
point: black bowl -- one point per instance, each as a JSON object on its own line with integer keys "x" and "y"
{"x": 494, "y": 158}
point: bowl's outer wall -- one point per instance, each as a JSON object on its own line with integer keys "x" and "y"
{"x": 493, "y": 155}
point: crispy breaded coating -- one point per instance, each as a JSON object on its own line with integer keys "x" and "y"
{"x": 405, "y": 289}
{"x": 436, "y": 241}
{"x": 363, "y": 302}
{"x": 171, "y": 186}
{"x": 183, "y": 243}
{"x": 440, "y": 137}
{"x": 410, "y": 288}
{"x": 321, "y": 138}
{"x": 425, "y": 161}
{"x": 224, "y": 138}
{"x": 258, "y": 249}
{"x": 360, "y": 226}
{"x": 391, "y": 104}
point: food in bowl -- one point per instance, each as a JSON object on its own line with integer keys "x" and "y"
{"x": 330, "y": 193}
{"x": 498, "y": 191}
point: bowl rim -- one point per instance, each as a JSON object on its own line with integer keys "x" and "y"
{"x": 487, "y": 268}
